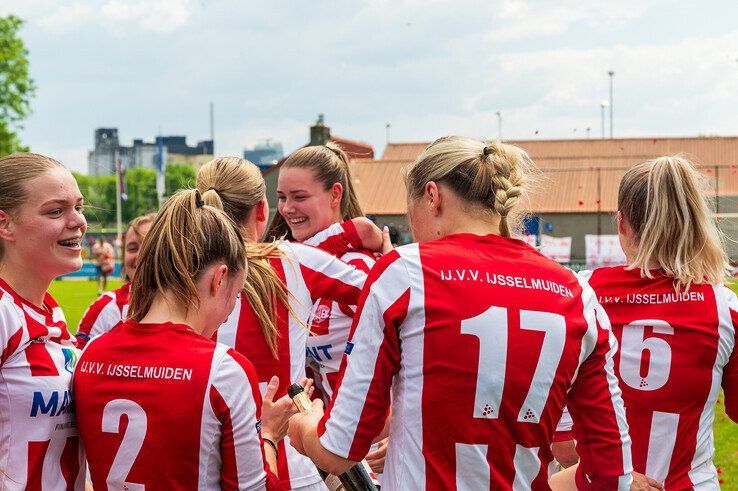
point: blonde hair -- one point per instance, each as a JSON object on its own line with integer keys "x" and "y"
{"x": 140, "y": 221}
{"x": 330, "y": 165}
{"x": 236, "y": 185}
{"x": 490, "y": 176}
{"x": 664, "y": 201}
{"x": 186, "y": 237}
{"x": 15, "y": 171}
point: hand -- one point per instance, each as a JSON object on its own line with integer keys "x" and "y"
{"x": 376, "y": 458}
{"x": 644, "y": 483}
{"x": 302, "y": 424}
{"x": 386, "y": 243}
{"x": 275, "y": 415}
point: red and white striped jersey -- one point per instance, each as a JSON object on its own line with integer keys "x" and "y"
{"x": 39, "y": 444}
{"x": 103, "y": 314}
{"x": 160, "y": 406}
{"x": 482, "y": 341}
{"x": 675, "y": 351}
{"x": 309, "y": 274}
{"x": 337, "y": 239}
{"x": 330, "y": 322}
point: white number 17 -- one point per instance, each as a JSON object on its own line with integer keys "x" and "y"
{"x": 491, "y": 328}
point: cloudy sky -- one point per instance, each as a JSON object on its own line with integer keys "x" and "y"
{"x": 428, "y": 67}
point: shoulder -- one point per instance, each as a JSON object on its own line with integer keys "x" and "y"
{"x": 231, "y": 365}
{"x": 10, "y": 311}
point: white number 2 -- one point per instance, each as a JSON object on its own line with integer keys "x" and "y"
{"x": 491, "y": 329}
{"x": 132, "y": 442}
{"x": 632, "y": 346}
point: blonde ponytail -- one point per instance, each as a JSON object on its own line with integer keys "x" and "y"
{"x": 665, "y": 203}
{"x": 236, "y": 186}
{"x": 185, "y": 238}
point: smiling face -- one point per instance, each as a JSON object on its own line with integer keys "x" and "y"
{"x": 45, "y": 232}
{"x": 305, "y": 204}
{"x": 132, "y": 247}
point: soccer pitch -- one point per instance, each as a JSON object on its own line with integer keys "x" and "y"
{"x": 75, "y": 296}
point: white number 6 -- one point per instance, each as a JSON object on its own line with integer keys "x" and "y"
{"x": 632, "y": 347}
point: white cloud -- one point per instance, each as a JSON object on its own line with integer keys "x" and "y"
{"x": 519, "y": 19}
{"x": 116, "y": 15}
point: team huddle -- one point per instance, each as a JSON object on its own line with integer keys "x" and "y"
{"x": 466, "y": 360}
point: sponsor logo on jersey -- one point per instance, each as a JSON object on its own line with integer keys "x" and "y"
{"x": 70, "y": 359}
{"x": 258, "y": 426}
{"x": 349, "y": 348}
{"x": 322, "y": 313}
{"x": 314, "y": 352}
{"x": 58, "y": 403}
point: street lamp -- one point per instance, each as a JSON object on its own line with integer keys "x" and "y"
{"x": 499, "y": 125}
{"x": 611, "y": 73}
{"x": 387, "y": 129}
{"x": 603, "y": 105}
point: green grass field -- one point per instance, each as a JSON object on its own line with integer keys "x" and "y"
{"x": 76, "y": 296}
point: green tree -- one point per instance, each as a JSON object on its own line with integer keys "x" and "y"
{"x": 141, "y": 184}
{"x": 178, "y": 176}
{"x": 16, "y": 85}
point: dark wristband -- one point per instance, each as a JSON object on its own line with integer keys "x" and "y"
{"x": 271, "y": 444}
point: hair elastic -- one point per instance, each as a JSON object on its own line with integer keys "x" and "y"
{"x": 198, "y": 200}
{"x": 487, "y": 150}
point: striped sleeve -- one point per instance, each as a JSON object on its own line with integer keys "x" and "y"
{"x": 11, "y": 327}
{"x": 596, "y": 406}
{"x": 730, "y": 371}
{"x": 100, "y": 317}
{"x": 361, "y": 260}
{"x": 327, "y": 276}
{"x": 236, "y": 400}
{"x": 360, "y": 405}
{"x": 564, "y": 431}
{"x": 337, "y": 239}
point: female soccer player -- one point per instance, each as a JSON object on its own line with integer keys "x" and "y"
{"x": 480, "y": 337}
{"x": 316, "y": 194}
{"x": 158, "y": 403}
{"x": 674, "y": 322}
{"x": 268, "y": 325}
{"x": 111, "y": 308}
{"x": 319, "y": 206}
{"x": 41, "y": 229}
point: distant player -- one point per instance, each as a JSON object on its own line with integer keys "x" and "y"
{"x": 160, "y": 405}
{"x": 111, "y": 308}
{"x": 41, "y": 229}
{"x": 269, "y": 323}
{"x": 104, "y": 261}
{"x": 674, "y": 321}
{"x": 480, "y": 340}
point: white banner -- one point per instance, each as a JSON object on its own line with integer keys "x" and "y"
{"x": 603, "y": 250}
{"x": 556, "y": 248}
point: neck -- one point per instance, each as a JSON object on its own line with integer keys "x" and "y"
{"x": 164, "y": 308}
{"x": 29, "y": 286}
{"x": 249, "y": 232}
{"x": 462, "y": 223}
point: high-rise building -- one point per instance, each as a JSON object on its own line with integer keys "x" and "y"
{"x": 101, "y": 160}
{"x": 265, "y": 154}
